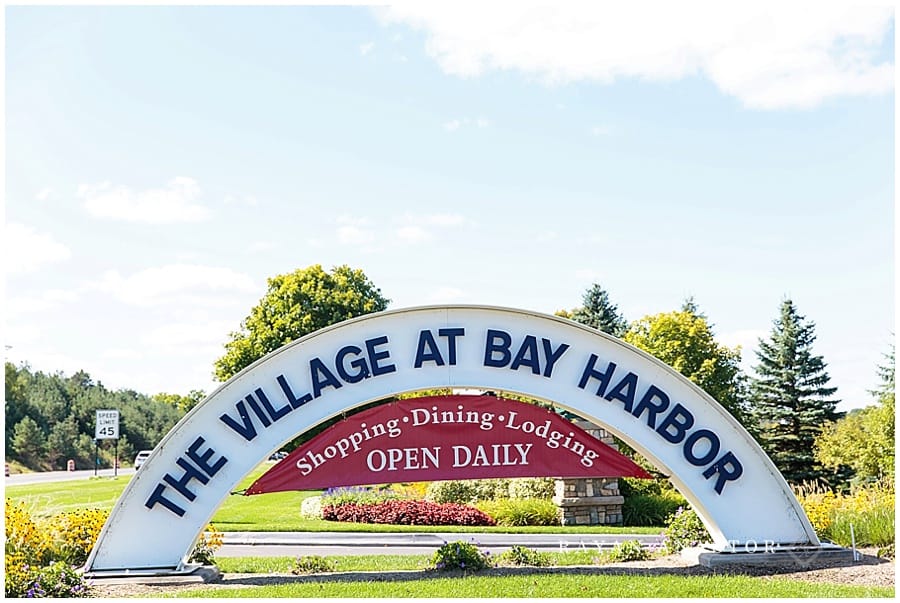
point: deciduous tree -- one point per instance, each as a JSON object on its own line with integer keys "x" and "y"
{"x": 295, "y": 305}
{"x": 864, "y": 439}
{"x": 684, "y": 340}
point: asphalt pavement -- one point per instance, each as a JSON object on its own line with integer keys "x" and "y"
{"x": 63, "y": 476}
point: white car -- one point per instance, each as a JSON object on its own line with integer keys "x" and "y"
{"x": 142, "y": 456}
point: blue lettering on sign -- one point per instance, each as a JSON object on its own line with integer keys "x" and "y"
{"x": 699, "y": 448}
{"x": 350, "y": 365}
{"x": 498, "y": 353}
{"x": 428, "y": 350}
{"x": 196, "y": 464}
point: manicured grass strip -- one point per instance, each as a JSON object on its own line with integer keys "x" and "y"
{"x": 371, "y": 563}
{"x": 537, "y": 584}
{"x": 46, "y": 499}
{"x": 342, "y": 563}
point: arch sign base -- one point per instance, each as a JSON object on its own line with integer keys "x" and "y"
{"x": 711, "y": 459}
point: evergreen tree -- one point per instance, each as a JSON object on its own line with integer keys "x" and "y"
{"x": 28, "y": 441}
{"x": 790, "y": 397}
{"x": 600, "y": 313}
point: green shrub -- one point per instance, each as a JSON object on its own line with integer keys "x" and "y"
{"x": 871, "y": 527}
{"x": 311, "y": 508}
{"x": 207, "y": 544}
{"x": 632, "y": 486}
{"x": 73, "y": 534}
{"x": 312, "y": 564}
{"x": 491, "y": 489}
{"x": 683, "y": 530}
{"x": 886, "y": 552}
{"x": 651, "y": 509}
{"x": 460, "y": 555}
{"x": 520, "y": 555}
{"x": 361, "y": 495}
{"x": 869, "y": 509}
{"x": 59, "y": 580}
{"x": 467, "y": 491}
{"x": 521, "y": 512}
{"x": 628, "y": 550}
{"x": 532, "y": 487}
{"x": 453, "y": 491}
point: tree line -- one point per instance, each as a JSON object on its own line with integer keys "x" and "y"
{"x": 50, "y": 419}
{"x": 787, "y": 403}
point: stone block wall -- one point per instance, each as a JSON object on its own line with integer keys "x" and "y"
{"x": 590, "y": 501}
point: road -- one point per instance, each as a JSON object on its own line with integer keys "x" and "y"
{"x": 62, "y": 476}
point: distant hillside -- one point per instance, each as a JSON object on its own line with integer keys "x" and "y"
{"x": 50, "y": 419}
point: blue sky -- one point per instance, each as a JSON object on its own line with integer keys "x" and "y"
{"x": 162, "y": 162}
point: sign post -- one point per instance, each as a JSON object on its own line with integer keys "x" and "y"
{"x": 106, "y": 428}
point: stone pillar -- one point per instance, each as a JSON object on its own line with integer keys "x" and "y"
{"x": 590, "y": 501}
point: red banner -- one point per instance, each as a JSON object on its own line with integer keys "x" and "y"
{"x": 445, "y": 438}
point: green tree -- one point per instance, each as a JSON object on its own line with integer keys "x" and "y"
{"x": 28, "y": 441}
{"x": 295, "y": 305}
{"x": 16, "y": 402}
{"x": 864, "y": 439}
{"x": 63, "y": 443}
{"x": 182, "y": 403}
{"x": 790, "y": 397}
{"x": 598, "y": 312}
{"x": 684, "y": 340}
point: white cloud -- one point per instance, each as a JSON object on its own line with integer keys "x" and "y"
{"x": 547, "y": 236}
{"x": 25, "y": 250}
{"x": 247, "y": 200}
{"x": 177, "y": 283}
{"x": 121, "y": 354}
{"x": 43, "y": 302}
{"x": 261, "y": 246}
{"x": 767, "y": 55}
{"x": 445, "y": 295}
{"x": 455, "y": 124}
{"x": 433, "y": 219}
{"x": 413, "y": 234}
{"x": 354, "y": 235}
{"x": 601, "y": 130}
{"x": 587, "y": 274}
{"x": 421, "y": 228}
{"x": 366, "y": 48}
{"x": 176, "y": 202}
{"x": 192, "y": 335}
{"x": 44, "y": 194}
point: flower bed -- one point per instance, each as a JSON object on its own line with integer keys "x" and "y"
{"x": 408, "y": 512}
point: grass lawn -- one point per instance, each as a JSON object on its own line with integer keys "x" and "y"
{"x": 372, "y": 563}
{"x": 543, "y": 584}
{"x": 277, "y": 512}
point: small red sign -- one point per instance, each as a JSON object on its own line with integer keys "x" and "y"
{"x": 445, "y": 438}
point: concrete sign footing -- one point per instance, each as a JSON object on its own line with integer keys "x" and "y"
{"x": 199, "y": 574}
{"x": 799, "y": 558}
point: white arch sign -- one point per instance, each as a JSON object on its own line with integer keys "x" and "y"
{"x": 737, "y": 491}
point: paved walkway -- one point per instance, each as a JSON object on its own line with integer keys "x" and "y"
{"x": 270, "y": 544}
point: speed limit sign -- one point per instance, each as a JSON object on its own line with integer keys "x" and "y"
{"x": 107, "y": 425}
